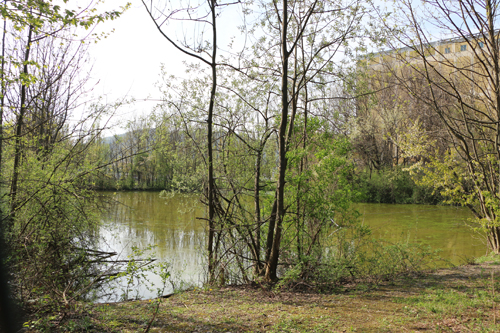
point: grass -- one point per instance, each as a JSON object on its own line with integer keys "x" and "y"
{"x": 491, "y": 259}
{"x": 461, "y": 299}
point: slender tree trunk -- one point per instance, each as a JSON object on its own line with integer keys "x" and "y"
{"x": 272, "y": 264}
{"x": 259, "y": 265}
{"x": 19, "y": 125}
{"x": 494, "y": 232}
{"x": 211, "y": 185}
{"x": 300, "y": 209}
{"x": 2, "y": 101}
{"x": 257, "y": 210}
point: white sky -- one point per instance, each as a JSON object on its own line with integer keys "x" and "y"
{"x": 127, "y": 63}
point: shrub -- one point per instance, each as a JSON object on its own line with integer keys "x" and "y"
{"x": 394, "y": 185}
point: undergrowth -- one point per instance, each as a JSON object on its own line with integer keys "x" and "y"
{"x": 377, "y": 262}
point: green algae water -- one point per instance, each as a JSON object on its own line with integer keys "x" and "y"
{"x": 169, "y": 226}
{"x": 441, "y": 227}
{"x": 173, "y": 226}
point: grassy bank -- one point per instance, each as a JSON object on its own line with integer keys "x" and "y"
{"x": 462, "y": 299}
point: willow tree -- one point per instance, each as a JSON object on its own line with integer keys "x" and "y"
{"x": 462, "y": 86}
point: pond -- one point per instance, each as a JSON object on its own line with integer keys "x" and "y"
{"x": 171, "y": 224}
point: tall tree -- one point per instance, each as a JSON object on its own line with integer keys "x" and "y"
{"x": 276, "y": 84}
{"x": 39, "y": 20}
{"x": 311, "y": 35}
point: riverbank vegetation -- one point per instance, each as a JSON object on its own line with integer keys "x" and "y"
{"x": 279, "y": 138}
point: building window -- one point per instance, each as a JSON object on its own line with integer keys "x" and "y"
{"x": 481, "y": 44}
{"x": 463, "y": 48}
{"x": 447, "y": 50}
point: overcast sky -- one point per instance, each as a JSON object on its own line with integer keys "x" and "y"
{"x": 127, "y": 63}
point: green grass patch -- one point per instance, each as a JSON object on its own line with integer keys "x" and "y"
{"x": 491, "y": 258}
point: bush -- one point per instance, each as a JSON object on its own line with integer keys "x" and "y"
{"x": 394, "y": 185}
{"x": 372, "y": 262}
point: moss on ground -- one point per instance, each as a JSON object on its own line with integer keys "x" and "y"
{"x": 462, "y": 299}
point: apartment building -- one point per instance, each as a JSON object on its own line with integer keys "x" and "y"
{"x": 453, "y": 49}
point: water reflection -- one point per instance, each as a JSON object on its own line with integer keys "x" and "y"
{"x": 142, "y": 219}
{"x": 170, "y": 224}
{"x": 441, "y": 227}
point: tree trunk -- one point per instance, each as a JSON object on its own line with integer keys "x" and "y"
{"x": 272, "y": 263}
{"x": 211, "y": 199}
{"x": 258, "y": 264}
{"x": 19, "y": 126}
